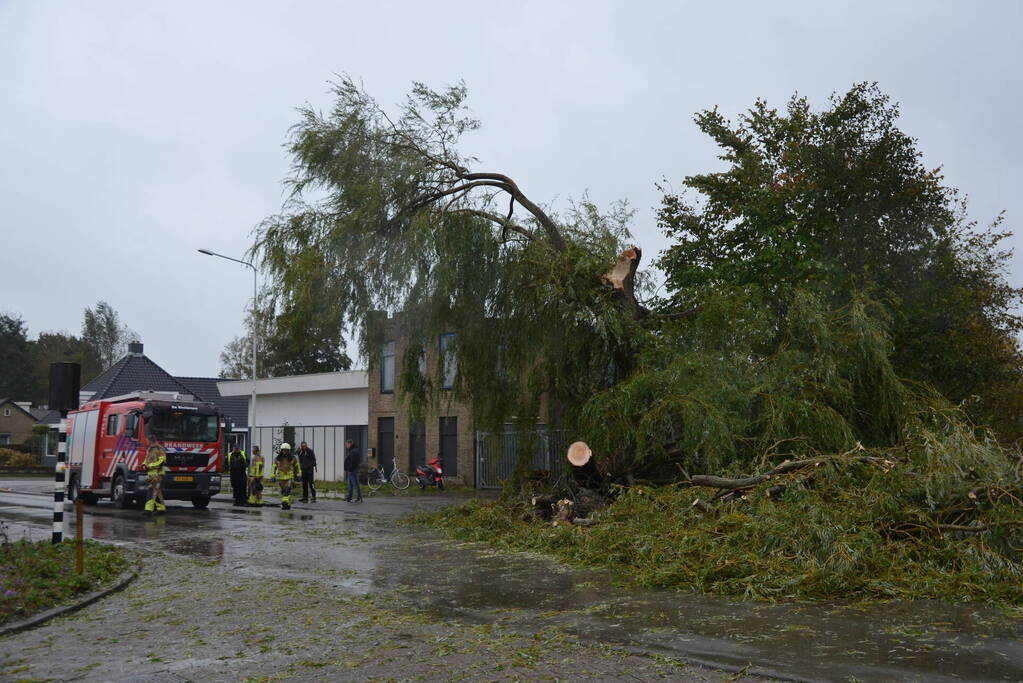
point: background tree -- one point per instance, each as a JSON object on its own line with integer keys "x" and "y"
{"x": 287, "y": 346}
{"x": 52, "y": 347}
{"x": 15, "y": 358}
{"x": 105, "y": 334}
{"x": 236, "y": 359}
{"x": 838, "y": 201}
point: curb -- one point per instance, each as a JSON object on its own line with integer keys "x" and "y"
{"x": 123, "y": 580}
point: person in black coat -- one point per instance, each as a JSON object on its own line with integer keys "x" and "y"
{"x": 307, "y": 459}
{"x": 352, "y": 461}
{"x": 237, "y": 466}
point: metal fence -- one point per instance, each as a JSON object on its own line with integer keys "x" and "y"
{"x": 327, "y": 442}
{"x": 497, "y": 454}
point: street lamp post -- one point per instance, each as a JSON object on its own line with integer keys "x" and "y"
{"x": 255, "y": 339}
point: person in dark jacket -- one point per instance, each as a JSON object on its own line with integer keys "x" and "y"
{"x": 237, "y": 466}
{"x": 307, "y": 459}
{"x": 352, "y": 461}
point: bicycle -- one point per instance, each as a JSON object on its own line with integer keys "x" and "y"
{"x": 376, "y": 478}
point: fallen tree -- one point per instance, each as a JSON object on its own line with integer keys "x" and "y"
{"x": 938, "y": 516}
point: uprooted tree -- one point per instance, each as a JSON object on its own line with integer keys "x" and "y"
{"x": 815, "y": 287}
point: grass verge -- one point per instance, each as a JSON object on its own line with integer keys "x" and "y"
{"x": 37, "y": 575}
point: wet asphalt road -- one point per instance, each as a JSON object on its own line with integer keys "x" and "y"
{"x": 360, "y": 549}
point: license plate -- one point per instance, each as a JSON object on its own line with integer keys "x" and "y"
{"x": 184, "y": 478}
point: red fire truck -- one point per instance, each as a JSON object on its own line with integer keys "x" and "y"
{"x": 108, "y": 438}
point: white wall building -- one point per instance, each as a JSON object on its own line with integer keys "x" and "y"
{"x": 322, "y": 409}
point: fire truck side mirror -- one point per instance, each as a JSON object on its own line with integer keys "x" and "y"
{"x": 147, "y": 413}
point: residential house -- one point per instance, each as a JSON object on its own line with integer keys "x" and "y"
{"x": 16, "y": 422}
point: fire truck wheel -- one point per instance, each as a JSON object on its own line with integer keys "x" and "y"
{"x": 119, "y": 494}
{"x": 201, "y": 502}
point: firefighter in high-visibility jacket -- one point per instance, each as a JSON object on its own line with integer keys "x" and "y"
{"x": 256, "y": 478}
{"x": 154, "y": 467}
{"x": 286, "y": 470}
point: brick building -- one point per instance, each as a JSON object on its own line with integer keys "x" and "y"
{"x": 446, "y": 431}
{"x": 16, "y": 422}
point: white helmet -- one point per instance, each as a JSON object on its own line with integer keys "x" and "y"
{"x": 284, "y": 447}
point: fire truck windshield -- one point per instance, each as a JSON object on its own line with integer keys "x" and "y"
{"x": 175, "y": 425}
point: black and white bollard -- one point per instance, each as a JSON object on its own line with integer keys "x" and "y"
{"x": 65, "y": 380}
{"x": 58, "y": 483}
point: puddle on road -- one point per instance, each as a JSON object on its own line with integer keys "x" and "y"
{"x": 206, "y": 549}
{"x": 899, "y": 641}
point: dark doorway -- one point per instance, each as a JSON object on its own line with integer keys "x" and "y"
{"x": 385, "y": 442}
{"x": 358, "y": 434}
{"x": 417, "y": 443}
{"x": 449, "y": 445}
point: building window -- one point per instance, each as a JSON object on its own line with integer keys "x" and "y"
{"x": 449, "y": 445}
{"x": 5, "y": 439}
{"x": 448, "y": 362}
{"x": 112, "y": 424}
{"x": 7, "y": 412}
{"x": 131, "y": 425}
{"x": 387, "y": 368}
{"x": 422, "y": 361}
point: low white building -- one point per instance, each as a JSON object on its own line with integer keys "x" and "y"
{"x": 322, "y": 409}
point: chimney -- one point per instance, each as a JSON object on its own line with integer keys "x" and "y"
{"x": 135, "y": 347}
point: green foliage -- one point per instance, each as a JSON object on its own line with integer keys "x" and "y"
{"x": 53, "y": 347}
{"x": 12, "y": 458}
{"x": 385, "y": 215}
{"x": 843, "y": 531}
{"x": 293, "y": 344}
{"x": 838, "y": 201}
{"x": 15, "y": 358}
{"x": 37, "y": 575}
{"x": 737, "y": 381}
{"x": 25, "y": 364}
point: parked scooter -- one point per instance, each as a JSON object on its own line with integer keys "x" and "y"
{"x": 430, "y": 474}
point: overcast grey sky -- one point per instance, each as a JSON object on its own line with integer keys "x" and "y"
{"x": 133, "y": 133}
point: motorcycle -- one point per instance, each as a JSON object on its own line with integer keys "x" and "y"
{"x": 430, "y": 474}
